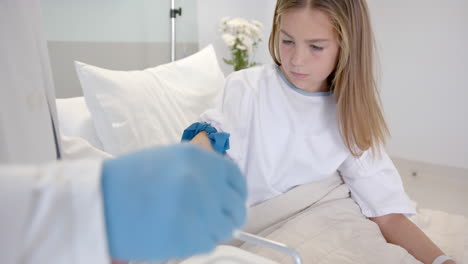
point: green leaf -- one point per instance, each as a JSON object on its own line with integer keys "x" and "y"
{"x": 230, "y": 62}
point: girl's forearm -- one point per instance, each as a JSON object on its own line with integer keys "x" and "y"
{"x": 399, "y": 230}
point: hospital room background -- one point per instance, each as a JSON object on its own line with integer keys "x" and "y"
{"x": 423, "y": 66}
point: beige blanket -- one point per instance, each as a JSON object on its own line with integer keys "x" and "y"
{"x": 325, "y": 225}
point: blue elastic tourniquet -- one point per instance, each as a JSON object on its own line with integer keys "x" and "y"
{"x": 219, "y": 140}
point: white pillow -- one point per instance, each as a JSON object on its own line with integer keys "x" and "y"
{"x": 75, "y": 120}
{"x": 136, "y": 109}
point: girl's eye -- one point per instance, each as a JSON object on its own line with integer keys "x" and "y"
{"x": 317, "y": 48}
{"x": 287, "y": 42}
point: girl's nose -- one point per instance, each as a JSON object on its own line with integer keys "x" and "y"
{"x": 298, "y": 57}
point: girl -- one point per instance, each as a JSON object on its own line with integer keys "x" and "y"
{"x": 315, "y": 112}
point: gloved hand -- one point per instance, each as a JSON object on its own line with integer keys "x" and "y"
{"x": 170, "y": 202}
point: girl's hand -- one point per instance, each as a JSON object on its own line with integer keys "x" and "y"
{"x": 202, "y": 140}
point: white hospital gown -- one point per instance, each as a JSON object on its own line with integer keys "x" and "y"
{"x": 282, "y": 137}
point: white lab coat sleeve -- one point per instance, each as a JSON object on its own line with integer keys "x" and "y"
{"x": 52, "y": 213}
{"x": 376, "y": 185}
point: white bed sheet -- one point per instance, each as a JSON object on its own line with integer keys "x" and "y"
{"x": 448, "y": 231}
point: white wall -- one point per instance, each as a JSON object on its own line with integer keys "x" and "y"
{"x": 210, "y": 12}
{"x": 424, "y": 64}
{"x": 118, "y": 20}
{"x": 113, "y": 34}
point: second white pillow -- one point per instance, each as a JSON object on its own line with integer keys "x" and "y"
{"x": 137, "y": 109}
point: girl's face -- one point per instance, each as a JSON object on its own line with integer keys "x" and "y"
{"x": 308, "y": 48}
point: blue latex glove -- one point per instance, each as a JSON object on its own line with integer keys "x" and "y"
{"x": 171, "y": 202}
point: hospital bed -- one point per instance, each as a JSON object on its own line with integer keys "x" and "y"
{"x": 231, "y": 255}
{"x": 270, "y": 220}
{"x": 225, "y": 254}
{"x": 314, "y": 223}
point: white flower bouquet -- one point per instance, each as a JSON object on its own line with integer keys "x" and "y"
{"x": 242, "y": 38}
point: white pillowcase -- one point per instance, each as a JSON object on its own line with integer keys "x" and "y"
{"x": 137, "y": 109}
{"x": 75, "y": 120}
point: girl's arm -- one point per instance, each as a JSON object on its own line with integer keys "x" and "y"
{"x": 399, "y": 230}
{"x": 202, "y": 140}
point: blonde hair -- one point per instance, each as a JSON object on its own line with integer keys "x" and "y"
{"x": 362, "y": 124}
